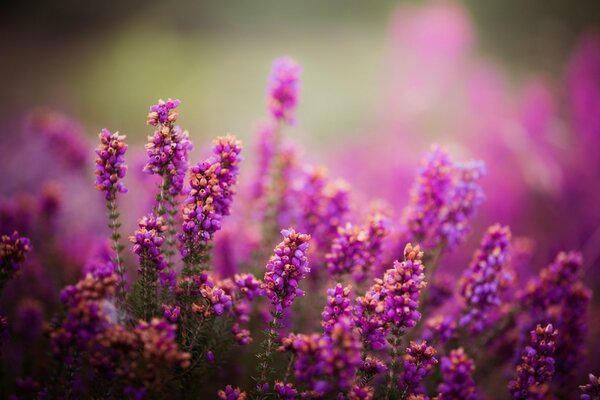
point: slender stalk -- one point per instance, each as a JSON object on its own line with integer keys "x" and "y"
{"x": 288, "y": 370}
{"x": 266, "y": 358}
{"x": 114, "y": 225}
{"x": 395, "y": 352}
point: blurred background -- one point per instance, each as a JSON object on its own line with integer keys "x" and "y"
{"x": 105, "y": 62}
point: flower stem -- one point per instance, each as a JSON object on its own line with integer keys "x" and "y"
{"x": 114, "y": 225}
{"x": 394, "y": 366}
{"x": 266, "y": 358}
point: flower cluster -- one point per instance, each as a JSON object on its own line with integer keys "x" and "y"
{"x": 63, "y": 134}
{"x": 231, "y": 393}
{"x": 370, "y": 317}
{"x": 418, "y": 362}
{"x": 536, "y": 367}
{"x": 457, "y": 377}
{"x": 169, "y": 147}
{"x": 327, "y": 362}
{"x": 283, "y": 89}
{"x": 286, "y": 268}
{"x": 211, "y": 192}
{"x": 339, "y": 305}
{"x": 591, "y": 390}
{"x": 13, "y": 249}
{"x": 486, "y": 278}
{"x": 444, "y": 198}
{"x": 147, "y": 241}
{"x": 110, "y": 164}
{"x": 402, "y": 285}
{"x": 558, "y": 297}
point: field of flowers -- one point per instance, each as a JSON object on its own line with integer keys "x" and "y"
{"x": 396, "y": 269}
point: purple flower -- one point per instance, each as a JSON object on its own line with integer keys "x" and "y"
{"x": 536, "y": 367}
{"x": 443, "y": 200}
{"x": 347, "y": 252}
{"x": 402, "y": 285}
{"x": 285, "y": 391}
{"x": 248, "y": 285}
{"x": 162, "y": 113}
{"x": 328, "y": 362}
{"x": 168, "y": 149}
{"x": 210, "y": 357}
{"x": 231, "y": 394}
{"x": 170, "y": 313}
{"x": 13, "y": 249}
{"x": 558, "y": 297}
{"x": 147, "y": 241}
{"x": 283, "y": 89}
{"x": 64, "y": 135}
{"x": 211, "y": 192}
{"x": 286, "y": 268}
{"x": 457, "y": 377}
{"x": 241, "y": 336}
{"x": 440, "y": 328}
{"x": 591, "y": 391}
{"x": 110, "y": 164}
{"x": 338, "y": 306}
{"x": 418, "y": 362}
{"x": 135, "y": 393}
{"x": 369, "y": 316}
{"x": 486, "y": 279}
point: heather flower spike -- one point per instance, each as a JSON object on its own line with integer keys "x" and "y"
{"x": 444, "y": 198}
{"x": 536, "y": 367}
{"x": 284, "y": 271}
{"x": 110, "y": 170}
{"x": 147, "y": 241}
{"x": 457, "y": 377}
{"x": 283, "y": 89}
{"x": 13, "y": 249}
{"x": 591, "y": 390}
{"x": 209, "y": 199}
{"x": 402, "y": 286}
{"x": 486, "y": 279}
{"x": 168, "y": 152}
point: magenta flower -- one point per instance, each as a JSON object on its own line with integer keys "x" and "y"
{"x": 283, "y": 89}
{"x": 457, "y": 377}
{"x": 110, "y": 164}
{"x": 591, "y": 390}
{"x": 418, "y": 363}
{"x": 402, "y": 285}
{"x": 370, "y": 318}
{"x": 536, "y": 367}
{"x": 443, "y": 200}
{"x": 286, "y": 268}
{"x": 161, "y": 113}
{"x": 211, "y": 192}
{"x": 486, "y": 279}
{"x": 231, "y": 393}
{"x": 339, "y": 305}
{"x": 147, "y": 241}
{"x": 13, "y": 249}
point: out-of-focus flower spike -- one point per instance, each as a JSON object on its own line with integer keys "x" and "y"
{"x": 457, "y": 377}
{"x": 13, "y": 249}
{"x": 486, "y": 278}
{"x": 283, "y": 89}
{"x": 536, "y": 367}
{"x": 591, "y": 390}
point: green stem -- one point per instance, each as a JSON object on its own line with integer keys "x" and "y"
{"x": 395, "y": 352}
{"x": 114, "y": 225}
{"x": 266, "y": 358}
